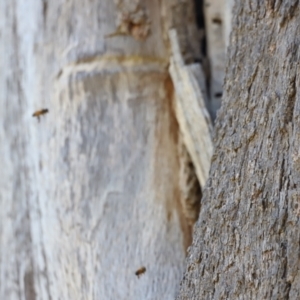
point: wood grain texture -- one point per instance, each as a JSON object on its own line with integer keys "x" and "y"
{"x": 191, "y": 112}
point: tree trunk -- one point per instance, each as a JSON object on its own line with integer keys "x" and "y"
{"x": 94, "y": 189}
{"x": 246, "y": 243}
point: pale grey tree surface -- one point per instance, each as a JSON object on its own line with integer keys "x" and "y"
{"x": 246, "y": 241}
{"x": 95, "y": 189}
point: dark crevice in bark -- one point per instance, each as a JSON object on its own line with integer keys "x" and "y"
{"x": 190, "y": 189}
{"x": 281, "y": 175}
{"x": 199, "y": 14}
{"x": 201, "y": 23}
{"x": 292, "y": 90}
{"x": 29, "y": 285}
{"x": 45, "y": 11}
{"x": 288, "y": 288}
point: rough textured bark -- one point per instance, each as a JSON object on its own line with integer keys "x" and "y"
{"x": 93, "y": 190}
{"x": 246, "y": 241}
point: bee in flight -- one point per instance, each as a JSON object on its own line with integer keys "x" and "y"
{"x": 40, "y": 112}
{"x": 140, "y": 271}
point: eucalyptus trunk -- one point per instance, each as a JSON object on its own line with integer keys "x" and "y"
{"x": 246, "y": 241}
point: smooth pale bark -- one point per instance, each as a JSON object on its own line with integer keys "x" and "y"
{"x": 246, "y": 241}
{"x": 93, "y": 191}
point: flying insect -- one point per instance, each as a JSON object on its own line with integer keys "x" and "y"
{"x": 40, "y": 112}
{"x": 140, "y": 271}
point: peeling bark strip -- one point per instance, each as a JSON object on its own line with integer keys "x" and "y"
{"x": 191, "y": 112}
{"x": 246, "y": 242}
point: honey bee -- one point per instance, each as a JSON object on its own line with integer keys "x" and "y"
{"x": 40, "y": 112}
{"x": 140, "y": 271}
